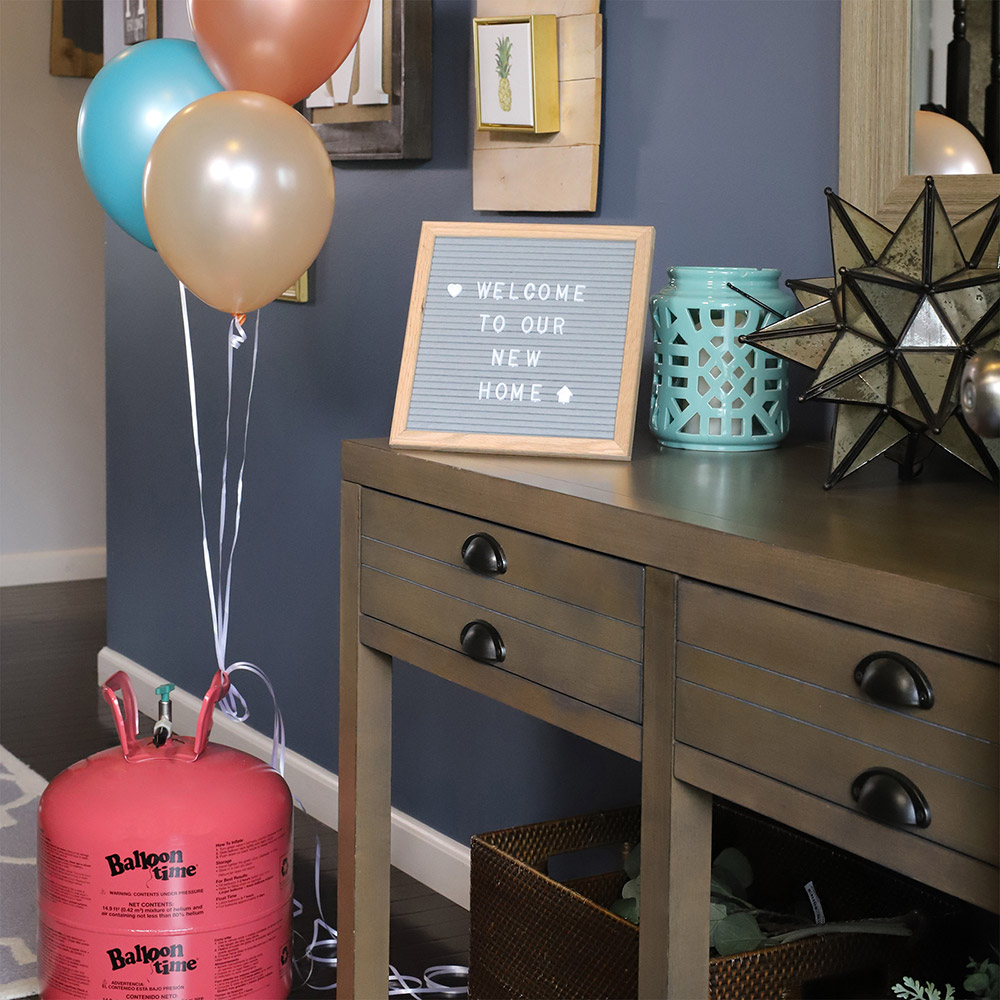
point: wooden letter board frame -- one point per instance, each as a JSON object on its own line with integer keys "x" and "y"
{"x": 621, "y": 382}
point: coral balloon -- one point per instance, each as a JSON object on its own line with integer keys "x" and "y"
{"x": 284, "y": 48}
{"x": 123, "y": 111}
{"x": 238, "y": 194}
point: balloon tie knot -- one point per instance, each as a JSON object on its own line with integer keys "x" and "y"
{"x": 237, "y": 335}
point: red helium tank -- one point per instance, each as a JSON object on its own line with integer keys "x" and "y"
{"x": 165, "y": 872}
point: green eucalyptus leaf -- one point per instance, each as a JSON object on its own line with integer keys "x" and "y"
{"x": 732, "y": 865}
{"x": 723, "y": 884}
{"x": 722, "y": 892}
{"x": 632, "y": 888}
{"x": 717, "y": 914}
{"x": 632, "y": 861}
{"x": 984, "y": 980}
{"x": 977, "y": 983}
{"x": 738, "y": 932}
{"x": 626, "y": 908}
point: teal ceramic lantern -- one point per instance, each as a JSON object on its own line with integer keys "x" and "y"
{"x": 710, "y": 392}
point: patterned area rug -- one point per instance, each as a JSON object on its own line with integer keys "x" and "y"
{"x": 20, "y": 788}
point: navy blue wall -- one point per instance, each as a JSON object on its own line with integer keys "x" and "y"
{"x": 720, "y": 129}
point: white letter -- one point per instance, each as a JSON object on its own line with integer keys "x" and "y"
{"x": 499, "y": 322}
{"x": 536, "y": 396}
{"x": 340, "y": 82}
{"x": 527, "y": 324}
{"x": 529, "y": 294}
{"x": 517, "y": 391}
{"x": 501, "y": 392}
{"x": 485, "y": 395}
{"x": 369, "y": 49}
{"x": 562, "y": 292}
{"x": 321, "y": 96}
{"x": 512, "y": 357}
{"x": 557, "y": 324}
{"x": 543, "y": 291}
{"x": 497, "y": 356}
{"x": 578, "y": 294}
{"x": 533, "y": 357}
{"x": 484, "y": 288}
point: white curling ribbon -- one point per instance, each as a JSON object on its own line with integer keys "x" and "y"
{"x": 219, "y": 585}
{"x": 241, "y": 714}
{"x": 237, "y": 335}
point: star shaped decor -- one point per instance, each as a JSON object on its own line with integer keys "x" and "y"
{"x": 890, "y": 335}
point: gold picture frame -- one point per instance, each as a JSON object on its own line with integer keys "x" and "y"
{"x": 76, "y": 44}
{"x": 517, "y": 73}
{"x": 299, "y": 292}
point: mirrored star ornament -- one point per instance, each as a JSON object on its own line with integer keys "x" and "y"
{"x": 889, "y": 336}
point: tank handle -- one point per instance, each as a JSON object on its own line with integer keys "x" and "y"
{"x": 216, "y": 690}
{"x": 127, "y": 725}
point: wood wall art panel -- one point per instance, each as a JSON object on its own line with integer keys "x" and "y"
{"x": 555, "y": 172}
{"x": 539, "y": 178}
{"x": 561, "y": 8}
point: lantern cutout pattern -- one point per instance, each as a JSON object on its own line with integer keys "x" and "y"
{"x": 164, "y": 868}
{"x": 889, "y": 336}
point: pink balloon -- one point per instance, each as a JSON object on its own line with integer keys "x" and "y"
{"x": 284, "y": 48}
{"x": 238, "y": 197}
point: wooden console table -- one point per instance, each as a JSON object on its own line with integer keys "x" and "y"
{"x": 712, "y": 615}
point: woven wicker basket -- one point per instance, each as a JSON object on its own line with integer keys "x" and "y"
{"x": 534, "y": 938}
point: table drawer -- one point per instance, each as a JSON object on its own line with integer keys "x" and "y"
{"x": 586, "y": 672}
{"x": 773, "y": 689}
{"x": 603, "y": 584}
{"x": 963, "y": 814}
{"x": 825, "y": 653}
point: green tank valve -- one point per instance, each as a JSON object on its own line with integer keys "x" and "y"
{"x": 163, "y": 727}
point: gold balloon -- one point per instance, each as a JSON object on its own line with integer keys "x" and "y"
{"x": 238, "y": 196}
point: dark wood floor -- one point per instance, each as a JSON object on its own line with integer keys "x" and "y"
{"x": 51, "y": 715}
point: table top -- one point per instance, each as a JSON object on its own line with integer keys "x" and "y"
{"x": 919, "y": 559}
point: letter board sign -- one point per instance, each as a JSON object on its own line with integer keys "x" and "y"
{"x": 524, "y": 339}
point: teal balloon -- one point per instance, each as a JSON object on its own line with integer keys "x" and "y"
{"x": 124, "y": 110}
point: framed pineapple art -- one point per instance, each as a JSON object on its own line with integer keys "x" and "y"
{"x": 517, "y": 73}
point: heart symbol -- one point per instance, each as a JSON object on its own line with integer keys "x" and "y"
{"x": 454, "y": 290}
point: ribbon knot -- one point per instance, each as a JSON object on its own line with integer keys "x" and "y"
{"x": 237, "y": 335}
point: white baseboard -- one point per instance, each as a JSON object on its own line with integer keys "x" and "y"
{"x": 422, "y": 852}
{"x": 59, "y": 566}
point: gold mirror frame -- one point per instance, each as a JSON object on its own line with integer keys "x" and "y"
{"x": 875, "y": 119}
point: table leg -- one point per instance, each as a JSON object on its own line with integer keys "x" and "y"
{"x": 364, "y": 790}
{"x": 676, "y": 827}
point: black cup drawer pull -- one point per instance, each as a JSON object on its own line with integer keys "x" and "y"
{"x": 893, "y": 679}
{"x": 482, "y": 641}
{"x": 483, "y": 554}
{"x": 890, "y": 797}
